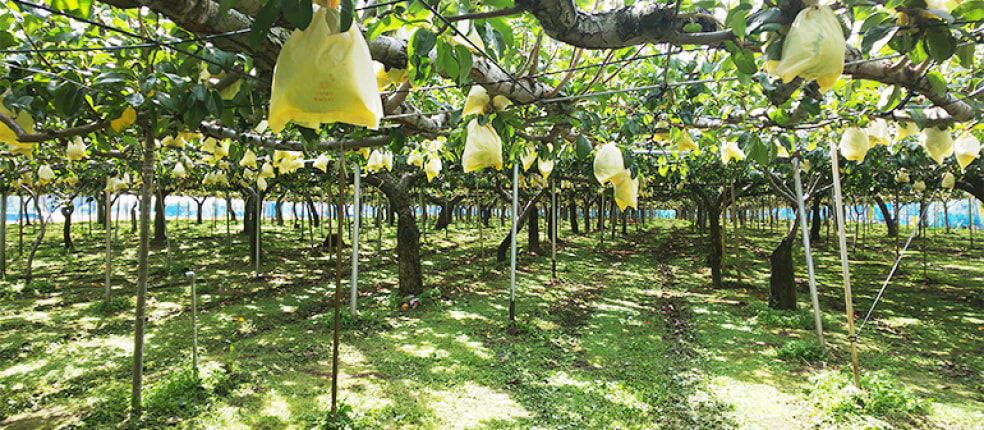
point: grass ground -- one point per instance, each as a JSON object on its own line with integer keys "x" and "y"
{"x": 629, "y": 335}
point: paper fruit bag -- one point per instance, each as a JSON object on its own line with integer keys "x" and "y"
{"x": 324, "y": 76}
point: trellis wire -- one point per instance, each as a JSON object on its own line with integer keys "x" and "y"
{"x": 922, "y": 215}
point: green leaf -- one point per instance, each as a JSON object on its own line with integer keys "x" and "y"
{"x": 582, "y": 148}
{"x": 77, "y": 7}
{"x": 264, "y": 20}
{"x": 298, "y": 12}
{"x": 874, "y": 35}
{"x": 422, "y": 43}
{"x": 757, "y": 151}
{"x": 444, "y": 60}
{"x": 940, "y": 45}
{"x": 692, "y": 27}
{"x": 68, "y": 100}
{"x": 465, "y": 62}
{"x": 919, "y": 117}
{"x": 970, "y": 10}
{"x": 757, "y": 20}
{"x": 938, "y": 82}
{"x": 966, "y": 55}
{"x": 7, "y": 40}
{"x": 736, "y": 19}
{"x": 112, "y": 78}
{"x": 348, "y": 14}
{"x": 309, "y": 136}
{"x": 213, "y": 104}
{"x": 502, "y": 26}
{"x": 745, "y": 62}
{"x": 873, "y": 20}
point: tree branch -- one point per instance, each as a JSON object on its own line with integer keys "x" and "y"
{"x": 24, "y": 136}
{"x": 512, "y": 10}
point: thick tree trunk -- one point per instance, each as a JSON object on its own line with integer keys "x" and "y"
{"x": 533, "y": 242}
{"x": 67, "y": 211}
{"x": 313, "y": 211}
{"x": 782, "y": 283}
{"x": 407, "y": 233}
{"x": 815, "y": 226}
{"x": 446, "y": 216}
{"x": 101, "y": 209}
{"x": 278, "y": 209}
{"x": 503, "y": 249}
{"x": 892, "y": 224}
{"x": 198, "y": 213}
{"x": 160, "y": 222}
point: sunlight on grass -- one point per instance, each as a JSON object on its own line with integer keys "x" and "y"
{"x": 275, "y": 405}
{"x": 468, "y": 405}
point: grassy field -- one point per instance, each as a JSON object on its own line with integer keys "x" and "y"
{"x": 630, "y": 335}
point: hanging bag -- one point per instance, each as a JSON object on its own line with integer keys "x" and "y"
{"x": 323, "y": 76}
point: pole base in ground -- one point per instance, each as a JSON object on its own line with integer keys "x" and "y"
{"x": 512, "y": 311}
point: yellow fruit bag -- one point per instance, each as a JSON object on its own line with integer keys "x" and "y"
{"x": 626, "y": 190}
{"x": 967, "y": 149}
{"x": 938, "y": 143}
{"x": 323, "y": 76}
{"x": 483, "y": 148}
{"x": 608, "y": 163}
{"x": 854, "y": 144}
{"x": 814, "y": 48}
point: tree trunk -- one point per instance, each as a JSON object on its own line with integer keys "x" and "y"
{"x": 313, "y": 211}
{"x": 101, "y": 209}
{"x": 143, "y": 257}
{"x": 815, "y": 226}
{"x": 67, "y": 211}
{"x": 503, "y": 249}
{"x": 198, "y": 214}
{"x": 278, "y": 209}
{"x": 533, "y": 242}
{"x": 232, "y": 212}
{"x": 408, "y": 234}
{"x": 892, "y": 224}
{"x": 782, "y": 282}
{"x": 160, "y": 222}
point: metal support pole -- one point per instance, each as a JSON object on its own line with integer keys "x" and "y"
{"x": 109, "y": 248}
{"x": 512, "y": 271}
{"x": 357, "y": 206}
{"x": 848, "y": 301}
{"x": 809, "y": 254}
{"x": 194, "y": 324}
{"x": 259, "y": 205}
{"x": 554, "y": 229}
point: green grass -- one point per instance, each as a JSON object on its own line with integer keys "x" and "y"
{"x": 630, "y": 335}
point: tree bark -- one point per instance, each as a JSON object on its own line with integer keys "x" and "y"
{"x": 66, "y": 211}
{"x": 533, "y": 241}
{"x": 815, "y": 226}
{"x": 160, "y": 222}
{"x": 782, "y": 282}
{"x": 198, "y": 214}
{"x": 408, "y": 234}
{"x": 503, "y": 249}
{"x": 313, "y": 211}
{"x": 890, "y": 223}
